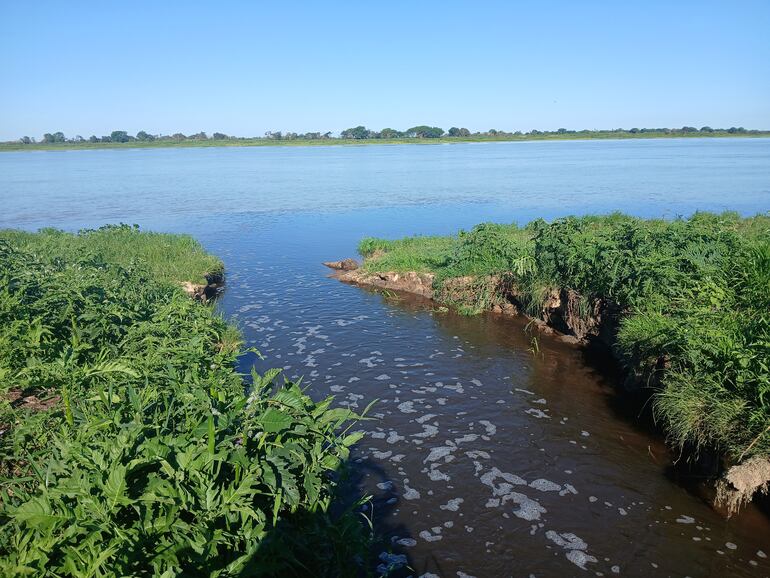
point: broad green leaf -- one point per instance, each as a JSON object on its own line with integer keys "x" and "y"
{"x": 274, "y": 420}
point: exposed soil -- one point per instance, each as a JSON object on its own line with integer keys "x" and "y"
{"x": 205, "y": 291}
{"x": 570, "y": 316}
{"x": 17, "y": 398}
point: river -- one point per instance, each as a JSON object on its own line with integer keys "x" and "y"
{"x": 485, "y": 458}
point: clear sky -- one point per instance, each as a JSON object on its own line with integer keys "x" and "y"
{"x": 247, "y": 67}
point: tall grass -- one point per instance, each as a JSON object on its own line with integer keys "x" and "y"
{"x": 695, "y": 297}
{"x": 167, "y": 257}
{"x": 129, "y": 446}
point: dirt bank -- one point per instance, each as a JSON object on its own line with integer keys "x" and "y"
{"x": 204, "y": 291}
{"x": 571, "y": 317}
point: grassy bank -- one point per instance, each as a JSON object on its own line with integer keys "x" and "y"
{"x": 692, "y": 296}
{"x": 250, "y": 142}
{"x": 130, "y": 446}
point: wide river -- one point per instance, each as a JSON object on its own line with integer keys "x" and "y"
{"x": 484, "y": 459}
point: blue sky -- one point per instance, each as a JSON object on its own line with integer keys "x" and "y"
{"x": 246, "y": 67}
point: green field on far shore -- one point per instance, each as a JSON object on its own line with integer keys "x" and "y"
{"x": 249, "y": 142}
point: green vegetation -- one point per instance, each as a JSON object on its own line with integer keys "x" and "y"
{"x": 694, "y": 296}
{"x": 171, "y": 258}
{"x": 360, "y": 135}
{"x": 129, "y": 444}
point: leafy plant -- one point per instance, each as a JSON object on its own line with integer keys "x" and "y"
{"x": 129, "y": 444}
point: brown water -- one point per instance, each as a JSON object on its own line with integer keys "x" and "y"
{"x": 484, "y": 459}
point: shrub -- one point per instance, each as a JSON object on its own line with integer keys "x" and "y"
{"x": 129, "y": 444}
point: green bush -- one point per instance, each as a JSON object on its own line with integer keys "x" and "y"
{"x": 130, "y": 446}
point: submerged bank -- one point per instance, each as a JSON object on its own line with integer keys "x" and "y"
{"x": 683, "y": 305}
{"x": 130, "y": 445}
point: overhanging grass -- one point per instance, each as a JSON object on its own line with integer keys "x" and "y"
{"x": 695, "y": 296}
{"x": 167, "y": 257}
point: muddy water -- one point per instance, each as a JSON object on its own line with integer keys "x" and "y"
{"x": 485, "y": 458}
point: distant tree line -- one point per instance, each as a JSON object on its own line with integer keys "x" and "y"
{"x": 361, "y": 133}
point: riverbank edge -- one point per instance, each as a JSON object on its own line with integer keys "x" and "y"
{"x": 262, "y": 142}
{"x": 214, "y": 285}
{"x": 563, "y": 316}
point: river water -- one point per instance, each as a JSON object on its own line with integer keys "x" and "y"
{"x": 485, "y": 458}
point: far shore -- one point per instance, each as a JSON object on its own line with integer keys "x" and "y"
{"x": 268, "y": 142}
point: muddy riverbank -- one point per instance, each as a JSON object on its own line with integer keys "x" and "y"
{"x": 570, "y": 317}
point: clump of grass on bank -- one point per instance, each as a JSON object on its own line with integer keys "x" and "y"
{"x": 167, "y": 257}
{"x": 410, "y": 254}
{"x": 128, "y": 443}
{"x": 694, "y": 295}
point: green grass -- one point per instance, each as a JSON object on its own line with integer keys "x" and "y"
{"x": 420, "y": 254}
{"x": 129, "y": 445}
{"x": 170, "y": 258}
{"x": 242, "y": 142}
{"x": 695, "y": 297}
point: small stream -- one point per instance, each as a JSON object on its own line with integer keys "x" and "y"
{"x": 484, "y": 457}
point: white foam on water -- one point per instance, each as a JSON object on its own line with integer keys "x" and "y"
{"x": 566, "y": 540}
{"x": 489, "y": 426}
{"x": 568, "y": 489}
{"x": 429, "y": 431}
{"x": 544, "y": 485}
{"x": 410, "y": 493}
{"x": 437, "y": 475}
{"x": 579, "y": 558}
{"x": 439, "y": 452}
{"x": 407, "y": 407}
{"x": 529, "y": 509}
{"x": 452, "y": 505}
{"x": 428, "y": 537}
